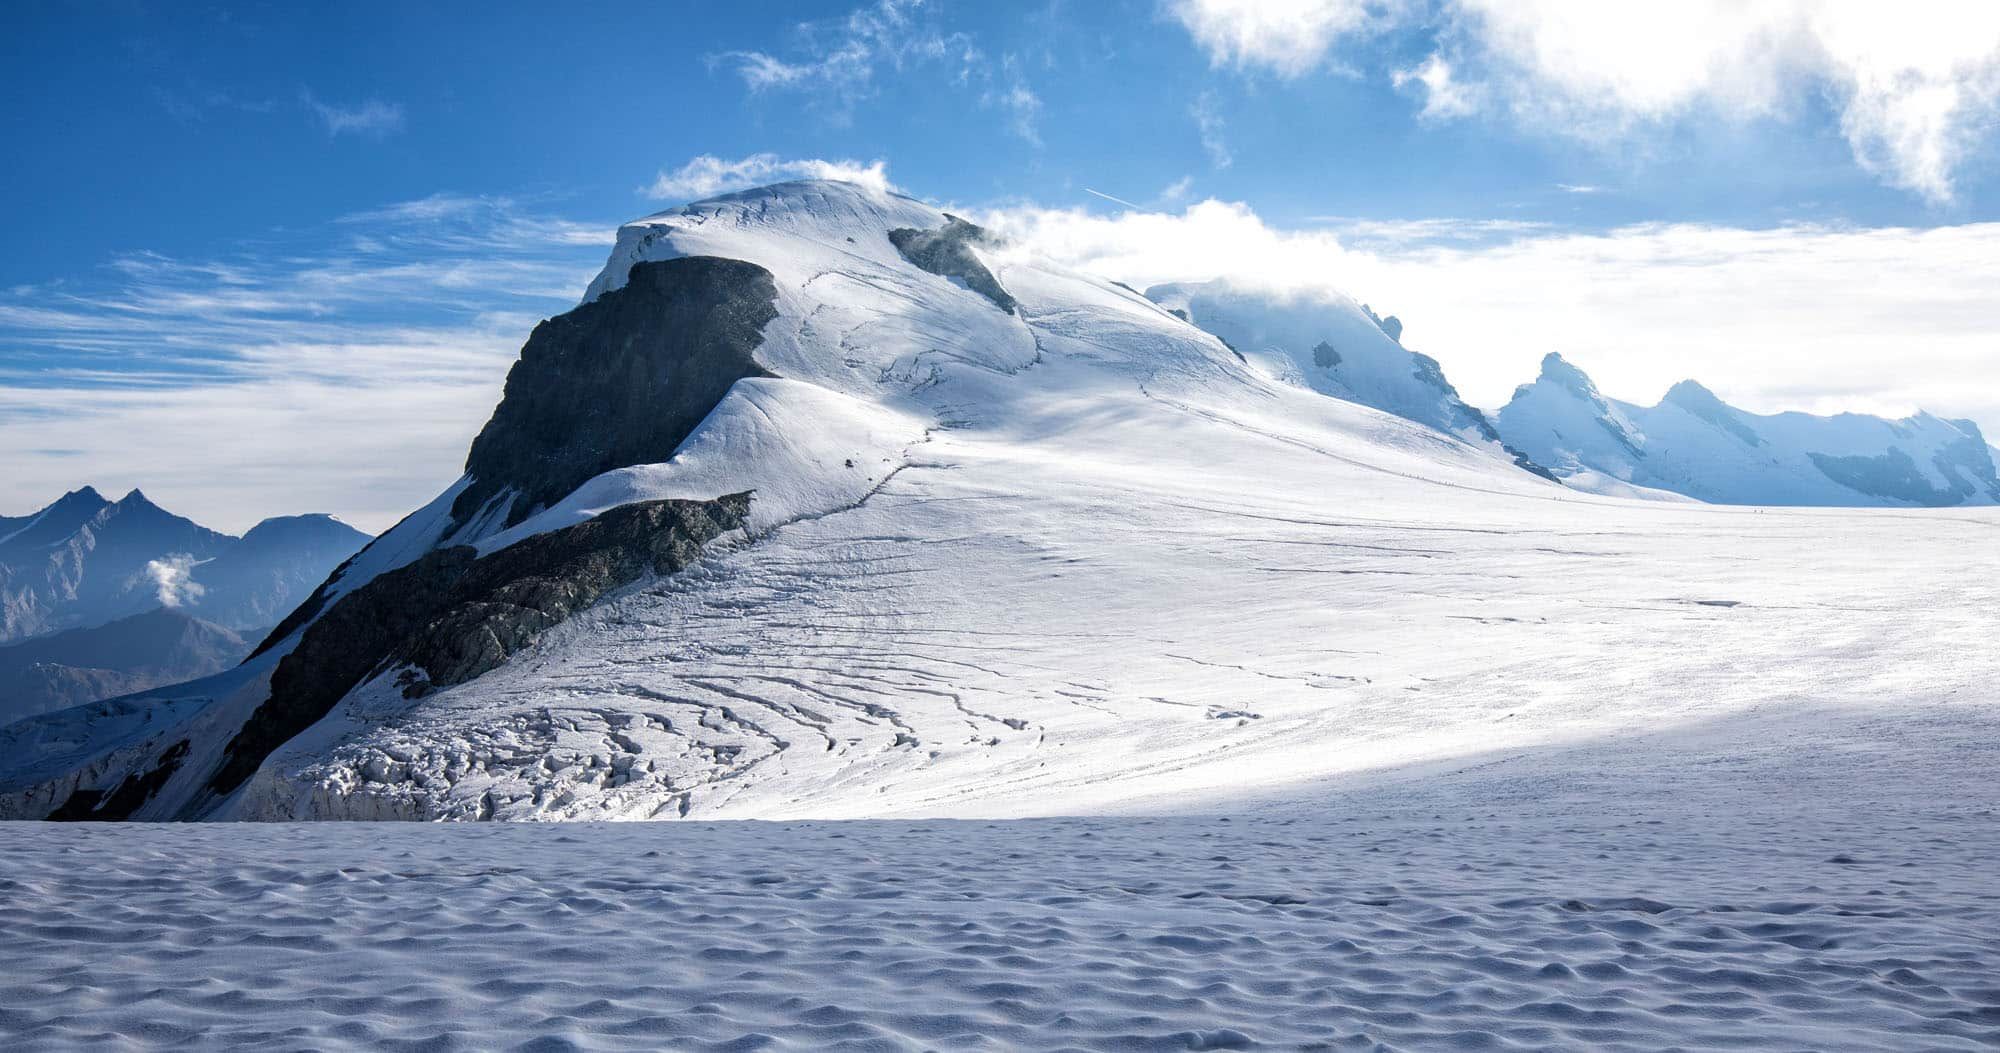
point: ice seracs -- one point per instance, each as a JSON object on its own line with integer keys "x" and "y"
{"x": 1695, "y": 444}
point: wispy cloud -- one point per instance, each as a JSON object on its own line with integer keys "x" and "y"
{"x": 708, "y": 175}
{"x": 191, "y": 105}
{"x": 342, "y": 368}
{"x": 836, "y": 61}
{"x": 1013, "y": 97}
{"x": 372, "y": 117}
{"x": 1208, "y": 121}
{"x": 834, "y": 64}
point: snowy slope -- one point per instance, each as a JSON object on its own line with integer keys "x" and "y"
{"x": 1693, "y": 443}
{"x": 888, "y": 340}
{"x": 1019, "y": 542}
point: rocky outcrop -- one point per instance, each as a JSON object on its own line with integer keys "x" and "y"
{"x": 947, "y": 252}
{"x": 450, "y": 615}
{"x": 619, "y": 381}
{"x": 1965, "y": 465}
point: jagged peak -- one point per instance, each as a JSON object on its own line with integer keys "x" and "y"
{"x": 1561, "y": 372}
{"x": 1691, "y": 393}
{"x": 83, "y": 496}
{"x": 1703, "y": 403}
{"x": 1391, "y": 326}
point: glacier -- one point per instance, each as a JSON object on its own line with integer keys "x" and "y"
{"x": 1172, "y": 698}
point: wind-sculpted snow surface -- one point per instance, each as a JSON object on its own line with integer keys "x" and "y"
{"x": 1791, "y": 880}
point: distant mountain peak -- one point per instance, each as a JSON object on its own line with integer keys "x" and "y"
{"x": 1703, "y": 403}
{"x": 1693, "y": 443}
{"x": 1561, "y": 372}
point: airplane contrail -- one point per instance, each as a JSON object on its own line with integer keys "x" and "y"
{"x": 1108, "y": 197}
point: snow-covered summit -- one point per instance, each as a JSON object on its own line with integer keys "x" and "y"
{"x": 1694, "y": 443}
{"x": 1328, "y": 343}
{"x": 747, "y": 374}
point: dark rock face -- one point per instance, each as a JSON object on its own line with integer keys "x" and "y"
{"x": 1324, "y": 356}
{"x": 121, "y": 801}
{"x": 947, "y": 252}
{"x": 1392, "y": 326}
{"x": 619, "y": 381}
{"x": 453, "y": 616}
{"x": 1895, "y": 474}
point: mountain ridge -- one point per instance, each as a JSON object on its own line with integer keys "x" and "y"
{"x": 1691, "y": 442}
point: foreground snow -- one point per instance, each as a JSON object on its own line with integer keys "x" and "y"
{"x": 1787, "y": 878}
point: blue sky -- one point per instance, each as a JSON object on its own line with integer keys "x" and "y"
{"x": 262, "y": 259}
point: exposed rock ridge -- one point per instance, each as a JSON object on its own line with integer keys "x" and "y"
{"x": 618, "y": 381}
{"x": 947, "y": 252}
{"x": 451, "y": 615}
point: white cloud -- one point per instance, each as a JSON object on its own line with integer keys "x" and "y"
{"x": 173, "y": 583}
{"x": 373, "y": 117}
{"x": 1288, "y": 37}
{"x": 1210, "y": 124}
{"x": 1444, "y": 97}
{"x": 1916, "y": 83}
{"x": 1811, "y": 318}
{"x": 708, "y": 175}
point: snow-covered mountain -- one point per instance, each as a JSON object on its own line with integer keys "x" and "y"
{"x": 826, "y": 503}
{"x": 256, "y": 580}
{"x": 160, "y": 646}
{"x": 85, "y": 561}
{"x": 1327, "y": 342}
{"x": 745, "y": 374}
{"x": 1695, "y": 444}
